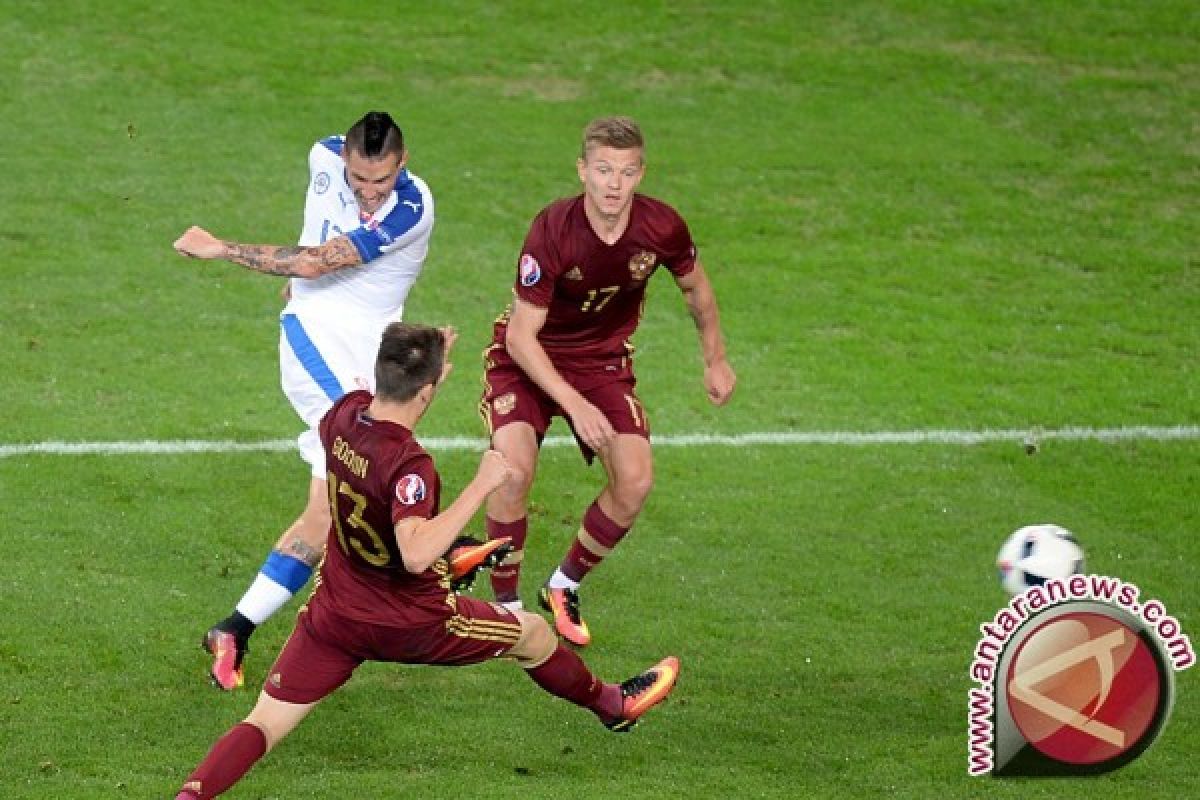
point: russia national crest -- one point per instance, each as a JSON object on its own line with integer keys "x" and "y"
{"x": 505, "y": 403}
{"x": 410, "y": 489}
{"x": 641, "y": 265}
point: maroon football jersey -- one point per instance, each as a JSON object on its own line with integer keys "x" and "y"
{"x": 594, "y": 291}
{"x": 377, "y": 474}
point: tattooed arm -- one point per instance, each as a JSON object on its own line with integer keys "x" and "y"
{"x": 291, "y": 261}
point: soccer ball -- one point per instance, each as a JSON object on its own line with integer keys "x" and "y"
{"x": 1035, "y": 554}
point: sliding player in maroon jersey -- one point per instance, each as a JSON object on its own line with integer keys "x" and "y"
{"x": 384, "y": 592}
{"x": 562, "y": 349}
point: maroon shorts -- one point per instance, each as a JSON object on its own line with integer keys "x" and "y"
{"x": 325, "y": 648}
{"x": 510, "y": 396}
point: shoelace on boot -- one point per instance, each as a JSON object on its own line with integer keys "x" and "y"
{"x": 639, "y": 683}
{"x": 572, "y": 603}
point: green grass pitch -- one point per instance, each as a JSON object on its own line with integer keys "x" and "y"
{"x": 917, "y": 215}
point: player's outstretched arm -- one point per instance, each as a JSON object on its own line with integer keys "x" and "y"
{"x": 719, "y": 377}
{"x": 291, "y": 261}
{"x": 424, "y": 541}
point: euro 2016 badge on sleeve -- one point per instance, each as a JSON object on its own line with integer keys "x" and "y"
{"x": 410, "y": 489}
{"x": 530, "y": 271}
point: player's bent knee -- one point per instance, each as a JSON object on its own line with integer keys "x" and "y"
{"x": 508, "y": 502}
{"x": 630, "y": 494}
{"x": 637, "y": 489}
{"x": 515, "y": 494}
{"x": 537, "y": 642}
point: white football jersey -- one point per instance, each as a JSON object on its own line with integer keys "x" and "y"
{"x": 393, "y": 241}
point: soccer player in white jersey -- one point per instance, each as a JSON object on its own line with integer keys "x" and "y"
{"x": 367, "y": 223}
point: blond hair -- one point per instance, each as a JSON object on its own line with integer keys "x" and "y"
{"x": 620, "y": 133}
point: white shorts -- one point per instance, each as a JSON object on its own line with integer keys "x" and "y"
{"x": 319, "y": 361}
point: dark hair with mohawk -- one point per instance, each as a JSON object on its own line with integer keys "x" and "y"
{"x": 375, "y": 135}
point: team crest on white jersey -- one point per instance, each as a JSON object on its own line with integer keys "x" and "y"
{"x": 321, "y": 183}
{"x": 410, "y": 489}
{"x": 530, "y": 270}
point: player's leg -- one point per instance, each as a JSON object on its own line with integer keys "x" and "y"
{"x": 315, "y": 364}
{"x": 480, "y": 631}
{"x": 628, "y": 464}
{"x": 516, "y": 413}
{"x": 232, "y": 756}
{"x": 285, "y": 571}
{"x": 507, "y": 508}
{"x": 561, "y": 672}
{"x": 314, "y": 662}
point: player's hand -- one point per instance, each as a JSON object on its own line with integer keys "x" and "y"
{"x": 591, "y": 426}
{"x": 719, "y": 381}
{"x": 199, "y": 243}
{"x": 495, "y": 470}
{"x": 449, "y": 336}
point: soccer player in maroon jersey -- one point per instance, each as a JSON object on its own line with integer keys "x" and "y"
{"x": 384, "y": 591}
{"x": 562, "y": 349}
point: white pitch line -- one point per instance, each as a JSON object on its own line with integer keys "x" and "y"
{"x": 855, "y": 438}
